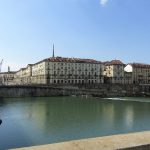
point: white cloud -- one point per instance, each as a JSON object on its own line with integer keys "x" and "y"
{"x": 103, "y": 2}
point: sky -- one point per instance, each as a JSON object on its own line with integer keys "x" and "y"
{"x": 97, "y": 29}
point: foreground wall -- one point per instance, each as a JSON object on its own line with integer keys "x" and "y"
{"x": 132, "y": 141}
{"x": 103, "y": 90}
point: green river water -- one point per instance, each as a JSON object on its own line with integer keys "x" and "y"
{"x": 44, "y": 120}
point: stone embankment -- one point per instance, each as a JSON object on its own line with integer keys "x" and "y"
{"x": 101, "y": 90}
{"x": 132, "y": 141}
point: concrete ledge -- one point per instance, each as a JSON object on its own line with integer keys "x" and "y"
{"x": 135, "y": 141}
{"x": 142, "y": 147}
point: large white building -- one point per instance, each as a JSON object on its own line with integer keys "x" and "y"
{"x": 59, "y": 70}
{"x": 74, "y": 71}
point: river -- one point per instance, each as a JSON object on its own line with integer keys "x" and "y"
{"x": 44, "y": 120}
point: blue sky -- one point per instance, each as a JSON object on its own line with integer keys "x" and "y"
{"x": 98, "y": 29}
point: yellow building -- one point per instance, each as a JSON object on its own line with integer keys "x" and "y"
{"x": 114, "y": 72}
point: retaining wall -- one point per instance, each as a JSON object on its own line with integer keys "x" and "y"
{"x": 101, "y": 90}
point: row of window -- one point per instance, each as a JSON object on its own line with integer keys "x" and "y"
{"x": 73, "y": 64}
{"x": 74, "y": 81}
{"x": 71, "y": 73}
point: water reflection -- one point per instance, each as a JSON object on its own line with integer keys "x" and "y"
{"x": 108, "y": 113}
{"x": 129, "y": 117}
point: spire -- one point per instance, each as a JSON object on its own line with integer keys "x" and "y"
{"x": 8, "y": 69}
{"x": 53, "y": 51}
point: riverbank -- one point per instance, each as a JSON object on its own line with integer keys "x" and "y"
{"x": 136, "y": 141}
{"x": 100, "y": 90}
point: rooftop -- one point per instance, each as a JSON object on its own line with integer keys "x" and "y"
{"x": 9, "y": 72}
{"x": 114, "y": 62}
{"x": 72, "y": 60}
{"x": 140, "y": 65}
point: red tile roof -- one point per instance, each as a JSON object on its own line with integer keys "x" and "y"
{"x": 72, "y": 60}
{"x": 114, "y": 62}
{"x": 140, "y": 65}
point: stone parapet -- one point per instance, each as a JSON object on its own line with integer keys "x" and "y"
{"x": 132, "y": 141}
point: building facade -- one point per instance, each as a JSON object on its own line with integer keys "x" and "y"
{"x": 7, "y": 78}
{"x": 73, "y": 71}
{"x": 114, "y": 72}
{"x": 59, "y": 70}
{"x": 23, "y": 76}
{"x": 140, "y": 73}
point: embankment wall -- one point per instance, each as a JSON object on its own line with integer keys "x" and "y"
{"x": 103, "y": 90}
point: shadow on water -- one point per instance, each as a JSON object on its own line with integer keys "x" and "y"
{"x": 1, "y": 104}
